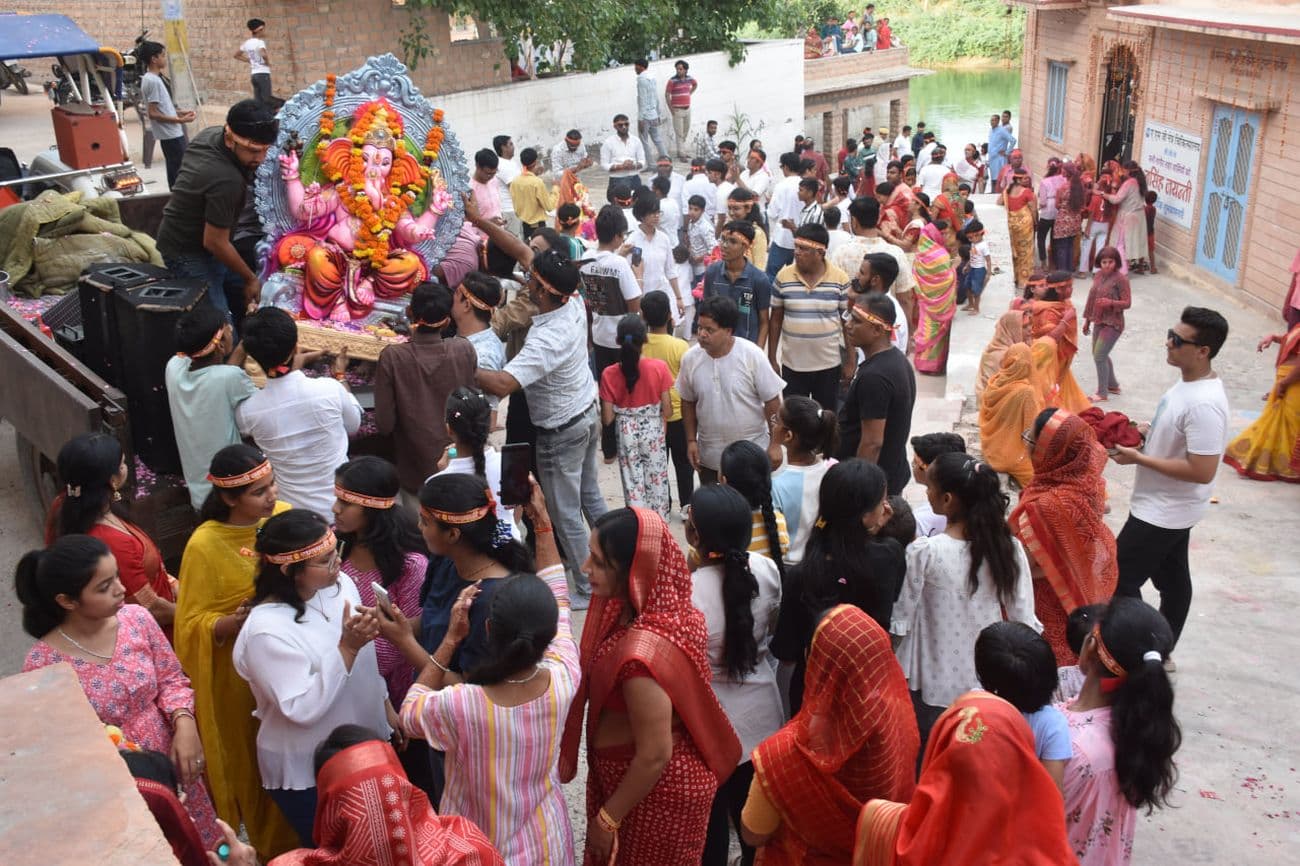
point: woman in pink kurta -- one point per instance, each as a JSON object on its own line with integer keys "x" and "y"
{"x": 138, "y": 689}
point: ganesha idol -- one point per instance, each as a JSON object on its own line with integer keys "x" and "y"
{"x": 356, "y": 212}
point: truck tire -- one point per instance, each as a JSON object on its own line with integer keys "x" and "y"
{"x": 40, "y": 476}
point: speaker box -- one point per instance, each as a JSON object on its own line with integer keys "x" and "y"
{"x": 146, "y": 319}
{"x": 99, "y": 317}
{"x": 87, "y": 136}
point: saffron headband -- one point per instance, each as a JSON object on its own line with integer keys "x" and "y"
{"x": 460, "y": 518}
{"x": 809, "y": 245}
{"x": 737, "y": 237}
{"x": 572, "y": 140}
{"x": 257, "y": 473}
{"x": 1108, "y": 684}
{"x": 1064, "y": 284}
{"x": 246, "y": 142}
{"x": 554, "y": 291}
{"x": 209, "y": 348}
{"x": 872, "y": 319}
{"x": 437, "y": 326}
{"x": 380, "y": 502}
{"x": 316, "y": 548}
{"x": 476, "y": 301}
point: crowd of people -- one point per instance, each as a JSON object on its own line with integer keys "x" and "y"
{"x": 372, "y": 661}
{"x": 850, "y": 36}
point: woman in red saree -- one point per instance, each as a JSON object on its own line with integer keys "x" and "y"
{"x": 1059, "y": 521}
{"x": 658, "y": 741}
{"x": 948, "y": 204}
{"x": 895, "y": 210}
{"x": 936, "y": 301}
{"x": 1051, "y": 313}
{"x": 983, "y": 798}
{"x": 853, "y": 739}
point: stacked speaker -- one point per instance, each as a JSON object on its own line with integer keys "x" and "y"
{"x": 128, "y": 317}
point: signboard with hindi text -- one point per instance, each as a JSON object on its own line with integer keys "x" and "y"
{"x": 1171, "y": 158}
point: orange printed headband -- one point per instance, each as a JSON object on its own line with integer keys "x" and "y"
{"x": 1108, "y": 661}
{"x": 326, "y": 543}
{"x": 563, "y": 296}
{"x": 872, "y": 319}
{"x": 257, "y": 473}
{"x": 460, "y": 518}
{"x": 380, "y": 502}
{"x": 809, "y": 244}
{"x": 476, "y": 301}
{"x": 209, "y": 348}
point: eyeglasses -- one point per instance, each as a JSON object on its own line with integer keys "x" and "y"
{"x": 1178, "y": 340}
{"x": 332, "y": 564}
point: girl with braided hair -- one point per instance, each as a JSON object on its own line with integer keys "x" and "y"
{"x": 745, "y": 467}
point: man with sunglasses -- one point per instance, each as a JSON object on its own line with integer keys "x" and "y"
{"x": 623, "y": 156}
{"x": 1176, "y": 466}
{"x": 206, "y": 201}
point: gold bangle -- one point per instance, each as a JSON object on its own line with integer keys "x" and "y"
{"x": 607, "y": 823}
{"x": 177, "y": 714}
{"x": 442, "y": 667}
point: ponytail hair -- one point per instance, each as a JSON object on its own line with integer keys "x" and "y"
{"x": 469, "y": 415}
{"x": 390, "y": 533}
{"x": 66, "y": 567}
{"x": 456, "y": 493}
{"x": 522, "y": 622}
{"x": 725, "y": 523}
{"x": 631, "y": 337}
{"x": 289, "y": 530}
{"x": 228, "y": 462}
{"x": 814, "y": 428}
{"x": 87, "y": 464}
{"x": 746, "y": 467}
{"x": 1142, "y": 723}
{"x": 984, "y": 511}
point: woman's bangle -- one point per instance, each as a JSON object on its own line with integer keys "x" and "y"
{"x": 178, "y": 714}
{"x": 442, "y": 667}
{"x": 606, "y": 822}
{"x": 538, "y": 530}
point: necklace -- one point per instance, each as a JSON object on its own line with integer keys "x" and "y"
{"x": 320, "y": 609}
{"x": 469, "y": 578}
{"x": 89, "y": 651}
{"x": 537, "y": 669}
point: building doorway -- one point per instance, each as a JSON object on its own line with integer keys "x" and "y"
{"x": 1118, "y": 112}
{"x": 1227, "y": 186}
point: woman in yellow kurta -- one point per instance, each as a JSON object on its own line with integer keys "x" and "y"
{"x": 216, "y": 581}
{"x": 1266, "y": 449}
{"x": 1008, "y": 407}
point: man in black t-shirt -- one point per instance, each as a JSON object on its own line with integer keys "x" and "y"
{"x": 206, "y": 201}
{"x": 876, "y": 417}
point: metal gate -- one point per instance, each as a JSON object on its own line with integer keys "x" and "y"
{"x": 1227, "y": 183}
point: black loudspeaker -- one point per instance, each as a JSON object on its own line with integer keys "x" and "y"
{"x": 145, "y": 318}
{"x": 95, "y": 292}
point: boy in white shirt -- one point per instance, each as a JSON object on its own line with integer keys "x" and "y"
{"x": 259, "y": 62}
{"x": 981, "y": 262}
{"x": 925, "y": 450}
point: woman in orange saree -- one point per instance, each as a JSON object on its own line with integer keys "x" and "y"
{"x": 1059, "y": 521}
{"x": 853, "y": 739}
{"x": 1051, "y": 313}
{"x": 1006, "y": 333}
{"x": 1264, "y": 450}
{"x": 936, "y": 301}
{"x": 1022, "y": 219}
{"x": 645, "y": 669}
{"x": 1008, "y": 407}
{"x": 979, "y": 771}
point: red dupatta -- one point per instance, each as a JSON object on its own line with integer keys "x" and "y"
{"x": 853, "y": 739}
{"x": 369, "y": 814}
{"x": 1058, "y": 320}
{"x": 983, "y": 798}
{"x": 668, "y": 635}
{"x": 177, "y": 826}
{"x": 1059, "y": 517}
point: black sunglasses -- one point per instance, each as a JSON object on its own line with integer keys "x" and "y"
{"x": 1179, "y": 340}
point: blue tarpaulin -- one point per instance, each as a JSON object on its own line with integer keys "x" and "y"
{"x": 23, "y": 36}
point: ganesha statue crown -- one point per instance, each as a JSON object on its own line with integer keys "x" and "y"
{"x": 360, "y": 198}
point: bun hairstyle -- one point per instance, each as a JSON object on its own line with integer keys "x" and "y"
{"x": 975, "y": 485}
{"x": 631, "y": 337}
{"x": 469, "y": 415}
{"x": 746, "y": 467}
{"x": 457, "y": 493}
{"x": 342, "y": 737}
{"x": 815, "y": 429}
{"x": 523, "y": 619}
{"x": 287, "y": 531}
{"x": 66, "y": 567}
{"x": 86, "y": 465}
{"x": 833, "y": 558}
{"x": 1142, "y": 722}
{"x": 390, "y": 533}
{"x": 228, "y": 462}
{"x": 725, "y": 524}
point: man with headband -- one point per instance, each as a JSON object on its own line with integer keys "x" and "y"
{"x": 756, "y": 177}
{"x": 206, "y": 200}
{"x": 569, "y": 155}
{"x": 205, "y": 383}
{"x": 804, "y": 347}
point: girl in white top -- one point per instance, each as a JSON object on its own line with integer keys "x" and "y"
{"x": 739, "y": 594}
{"x": 469, "y": 419}
{"x": 972, "y": 574}
{"x": 307, "y": 652}
{"x": 809, "y": 435}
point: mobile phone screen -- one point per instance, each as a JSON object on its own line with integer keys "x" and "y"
{"x": 516, "y": 461}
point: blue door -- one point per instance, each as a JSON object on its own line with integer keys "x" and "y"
{"x": 1227, "y": 182}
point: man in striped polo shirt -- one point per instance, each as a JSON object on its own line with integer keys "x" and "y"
{"x": 808, "y": 298}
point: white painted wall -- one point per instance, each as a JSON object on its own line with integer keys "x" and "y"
{"x": 767, "y": 86}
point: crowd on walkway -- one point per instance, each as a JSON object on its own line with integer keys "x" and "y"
{"x": 365, "y": 661}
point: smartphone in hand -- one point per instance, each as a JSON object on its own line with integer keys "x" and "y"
{"x": 381, "y": 596}
{"x": 516, "y": 463}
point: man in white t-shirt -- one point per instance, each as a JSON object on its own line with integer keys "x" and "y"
{"x": 931, "y": 175}
{"x": 508, "y": 168}
{"x": 729, "y": 390}
{"x": 864, "y": 219}
{"x": 1176, "y": 466}
{"x": 612, "y": 287}
{"x": 259, "y": 62}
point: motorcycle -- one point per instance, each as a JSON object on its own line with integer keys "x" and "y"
{"x": 12, "y": 73}
{"x": 67, "y": 85}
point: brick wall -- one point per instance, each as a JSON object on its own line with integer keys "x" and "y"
{"x": 847, "y": 65}
{"x": 305, "y": 40}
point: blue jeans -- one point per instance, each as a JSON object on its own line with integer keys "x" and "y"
{"x": 975, "y": 281}
{"x": 777, "y": 258}
{"x": 566, "y": 467}
{"x": 299, "y": 808}
{"x": 204, "y": 266}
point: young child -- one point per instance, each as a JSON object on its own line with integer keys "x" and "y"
{"x": 809, "y": 434}
{"x": 205, "y": 384}
{"x": 812, "y": 211}
{"x": 669, "y": 349}
{"x": 1015, "y": 663}
{"x": 838, "y": 237}
{"x": 901, "y": 526}
{"x": 468, "y": 416}
{"x": 1078, "y": 624}
{"x": 478, "y": 295}
{"x": 635, "y": 392}
{"x": 259, "y": 62}
{"x": 963, "y": 268}
{"x": 925, "y": 450}
{"x": 981, "y": 262}
{"x": 686, "y": 279}
{"x": 968, "y": 213}
{"x": 970, "y": 575}
{"x": 1151, "y": 198}
{"x": 165, "y": 122}
{"x": 700, "y": 237}
{"x": 744, "y": 466}
{"x": 1123, "y": 732}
